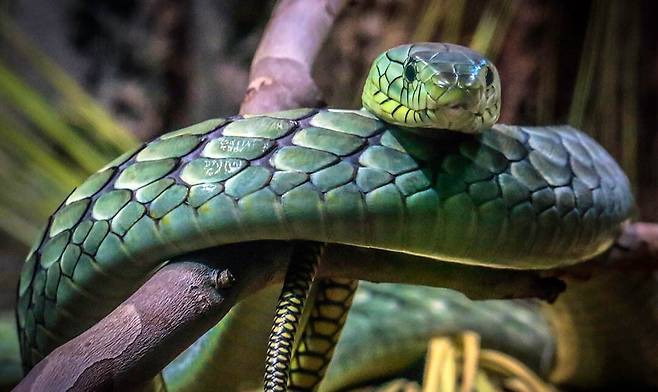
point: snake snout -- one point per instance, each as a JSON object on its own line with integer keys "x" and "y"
{"x": 469, "y": 81}
{"x": 444, "y": 79}
{"x": 457, "y": 96}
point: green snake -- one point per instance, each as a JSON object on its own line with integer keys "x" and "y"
{"x": 392, "y": 177}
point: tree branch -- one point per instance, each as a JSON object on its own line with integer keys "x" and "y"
{"x": 280, "y": 76}
{"x": 184, "y": 299}
{"x": 133, "y": 340}
{"x": 168, "y": 313}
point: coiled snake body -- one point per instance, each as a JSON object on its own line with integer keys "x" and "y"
{"x": 391, "y": 177}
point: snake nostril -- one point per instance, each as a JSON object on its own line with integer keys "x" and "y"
{"x": 469, "y": 81}
{"x": 444, "y": 78}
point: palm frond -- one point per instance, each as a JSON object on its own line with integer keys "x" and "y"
{"x": 50, "y": 144}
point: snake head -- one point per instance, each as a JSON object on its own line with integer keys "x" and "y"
{"x": 434, "y": 85}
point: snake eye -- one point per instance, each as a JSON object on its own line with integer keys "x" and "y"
{"x": 410, "y": 72}
{"x": 489, "y": 77}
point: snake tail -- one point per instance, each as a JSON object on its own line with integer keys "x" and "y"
{"x": 296, "y": 285}
{"x": 332, "y": 299}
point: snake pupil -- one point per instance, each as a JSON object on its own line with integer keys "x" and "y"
{"x": 410, "y": 72}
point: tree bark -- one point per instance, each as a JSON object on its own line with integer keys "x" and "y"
{"x": 132, "y": 341}
{"x": 280, "y": 75}
{"x": 128, "y": 347}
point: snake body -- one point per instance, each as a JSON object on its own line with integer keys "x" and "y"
{"x": 515, "y": 327}
{"x": 507, "y": 196}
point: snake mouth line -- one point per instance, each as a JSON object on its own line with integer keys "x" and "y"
{"x": 416, "y": 112}
{"x": 429, "y": 114}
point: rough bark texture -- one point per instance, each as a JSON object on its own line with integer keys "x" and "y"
{"x": 148, "y": 330}
{"x": 280, "y": 74}
{"x": 133, "y": 341}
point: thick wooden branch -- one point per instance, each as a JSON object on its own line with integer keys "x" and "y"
{"x": 139, "y": 336}
{"x": 147, "y": 331}
{"x": 280, "y": 76}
